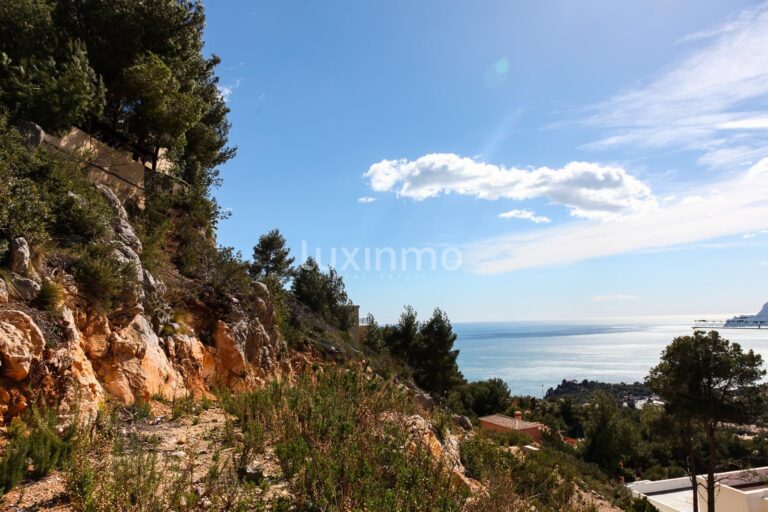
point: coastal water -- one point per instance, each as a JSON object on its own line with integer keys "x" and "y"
{"x": 534, "y": 356}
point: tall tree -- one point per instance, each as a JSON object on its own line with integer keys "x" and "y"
{"x": 436, "y": 369}
{"x": 709, "y": 380}
{"x": 324, "y": 293}
{"x": 403, "y": 337}
{"x": 45, "y": 74}
{"x": 271, "y": 258}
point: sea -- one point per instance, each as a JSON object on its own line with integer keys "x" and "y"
{"x": 534, "y": 356}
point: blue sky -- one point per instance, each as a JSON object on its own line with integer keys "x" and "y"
{"x": 577, "y": 158}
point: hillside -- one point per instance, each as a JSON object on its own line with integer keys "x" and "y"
{"x": 145, "y": 367}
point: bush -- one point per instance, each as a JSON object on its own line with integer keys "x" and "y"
{"x": 35, "y": 447}
{"x": 338, "y": 452}
{"x": 51, "y": 296}
{"x": 101, "y": 278}
{"x": 323, "y": 292}
{"x": 43, "y": 198}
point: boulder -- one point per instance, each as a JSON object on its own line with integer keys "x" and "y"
{"x": 3, "y": 292}
{"x": 21, "y": 344}
{"x": 26, "y": 289}
{"x": 131, "y": 341}
{"x": 462, "y": 422}
{"x": 132, "y": 301}
{"x": 161, "y": 377}
{"x": 113, "y": 201}
{"x": 138, "y": 367}
{"x": 32, "y": 134}
{"x": 20, "y": 256}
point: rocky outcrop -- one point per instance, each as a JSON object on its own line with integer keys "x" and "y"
{"x": 136, "y": 367}
{"x": 20, "y": 256}
{"x": 134, "y": 352}
{"x": 423, "y": 435}
{"x": 24, "y": 288}
{"x": 21, "y": 344}
{"x": 3, "y": 292}
{"x": 84, "y": 394}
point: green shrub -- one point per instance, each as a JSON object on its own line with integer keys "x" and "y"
{"x": 101, "y": 278}
{"x": 51, "y": 296}
{"x": 13, "y": 465}
{"x": 35, "y": 447}
{"x": 336, "y": 448}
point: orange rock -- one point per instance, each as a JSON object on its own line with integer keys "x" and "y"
{"x": 21, "y": 343}
{"x": 96, "y": 336}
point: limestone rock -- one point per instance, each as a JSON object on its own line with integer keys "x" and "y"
{"x": 422, "y": 434}
{"x": 125, "y": 233}
{"x": 96, "y": 336}
{"x": 161, "y": 377}
{"x": 153, "y": 285}
{"x": 113, "y": 201}
{"x": 131, "y": 303}
{"x": 462, "y": 422}
{"x": 26, "y": 289}
{"x": 230, "y": 346}
{"x": 138, "y": 367}
{"x": 20, "y": 255}
{"x": 21, "y": 343}
{"x": 32, "y": 134}
{"x": 86, "y": 393}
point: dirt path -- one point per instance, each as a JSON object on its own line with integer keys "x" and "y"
{"x": 193, "y": 440}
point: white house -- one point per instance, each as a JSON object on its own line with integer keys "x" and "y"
{"x": 735, "y": 491}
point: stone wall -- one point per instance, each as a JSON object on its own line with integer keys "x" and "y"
{"x": 105, "y": 165}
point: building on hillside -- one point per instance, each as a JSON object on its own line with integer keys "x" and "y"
{"x": 120, "y": 170}
{"x": 503, "y": 423}
{"x": 736, "y": 491}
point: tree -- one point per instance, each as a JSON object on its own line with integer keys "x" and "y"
{"x": 374, "y": 338}
{"x": 436, "y": 369}
{"x": 709, "y": 380}
{"x": 403, "y": 337}
{"x": 45, "y": 74}
{"x": 428, "y": 349}
{"x": 157, "y": 112}
{"x": 480, "y": 398}
{"x": 271, "y": 258}
{"x": 323, "y": 293}
{"x": 610, "y": 436}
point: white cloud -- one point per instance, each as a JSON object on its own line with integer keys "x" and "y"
{"x": 700, "y": 103}
{"x": 589, "y": 190}
{"x": 613, "y": 298}
{"x": 732, "y": 207}
{"x": 747, "y": 123}
{"x": 755, "y": 234}
{"x": 760, "y": 167}
{"x": 366, "y": 199}
{"x": 765, "y": 263}
{"x": 526, "y": 215}
{"x": 227, "y": 90}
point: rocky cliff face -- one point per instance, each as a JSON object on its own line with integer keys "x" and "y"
{"x": 79, "y": 357}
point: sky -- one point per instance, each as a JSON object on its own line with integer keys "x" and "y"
{"x": 504, "y": 160}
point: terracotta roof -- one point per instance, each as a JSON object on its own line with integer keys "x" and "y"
{"x": 509, "y": 422}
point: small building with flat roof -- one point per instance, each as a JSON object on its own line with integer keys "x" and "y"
{"x": 504, "y": 423}
{"x": 735, "y": 491}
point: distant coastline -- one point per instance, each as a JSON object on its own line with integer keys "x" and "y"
{"x": 533, "y": 357}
